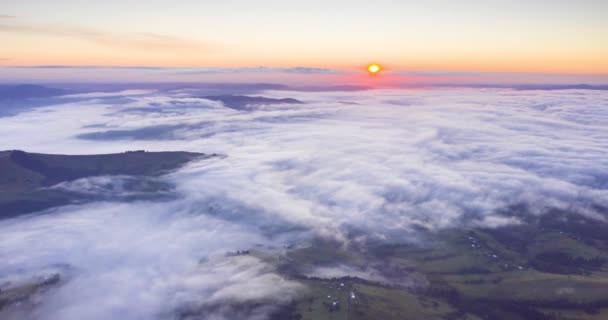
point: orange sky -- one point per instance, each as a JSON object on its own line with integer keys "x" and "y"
{"x": 491, "y": 36}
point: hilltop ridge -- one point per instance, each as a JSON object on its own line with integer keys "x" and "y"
{"x": 25, "y": 177}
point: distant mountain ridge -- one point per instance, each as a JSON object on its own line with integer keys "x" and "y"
{"x": 28, "y": 91}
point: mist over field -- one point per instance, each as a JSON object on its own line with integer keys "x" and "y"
{"x": 347, "y": 166}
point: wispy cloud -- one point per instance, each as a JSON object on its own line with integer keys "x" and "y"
{"x": 89, "y": 67}
{"x": 136, "y": 41}
{"x": 195, "y": 71}
{"x": 261, "y": 69}
{"x": 437, "y": 73}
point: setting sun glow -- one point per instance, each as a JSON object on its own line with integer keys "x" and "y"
{"x": 374, "y": 68}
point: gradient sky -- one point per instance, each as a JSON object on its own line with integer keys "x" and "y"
{"x": 543, "y": 36}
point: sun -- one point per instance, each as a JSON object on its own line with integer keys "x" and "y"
{"x": 374, "y": 68}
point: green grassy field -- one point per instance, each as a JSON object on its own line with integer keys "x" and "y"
{"x": 471, "y": 274}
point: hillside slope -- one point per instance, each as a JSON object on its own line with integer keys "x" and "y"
{"x": 24, "y": 177}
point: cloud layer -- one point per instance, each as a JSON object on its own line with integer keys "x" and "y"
{"x": 352, "y": 166}
{"x": 134, "y": 261}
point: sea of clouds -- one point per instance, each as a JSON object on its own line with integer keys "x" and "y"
{"x": 350, "y": 166}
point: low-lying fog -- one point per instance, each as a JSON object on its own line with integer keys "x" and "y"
{"x": 350, "y": 166}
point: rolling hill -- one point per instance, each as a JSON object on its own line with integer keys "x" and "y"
{"x": 25, "y": 177}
